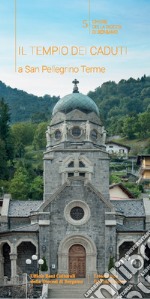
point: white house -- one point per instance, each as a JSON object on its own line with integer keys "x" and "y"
{"x": 117, "y": 149}
{"x": 119, "y": 192}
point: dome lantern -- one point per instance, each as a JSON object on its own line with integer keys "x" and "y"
{"x": 75, "y": 88}
{"x": 76, "y": 100}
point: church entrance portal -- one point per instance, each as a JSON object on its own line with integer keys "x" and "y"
{"x": 77, "y": 261}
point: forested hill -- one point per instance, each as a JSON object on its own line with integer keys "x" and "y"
{"x": 24, "y": 106}
{"x": 123, "y": 104}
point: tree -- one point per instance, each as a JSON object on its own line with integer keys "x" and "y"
{"x": 6, "y": 145}
{"x": 145, "y": 92}
{"x": 144, "y": 124}
{"x": 4, "y": 187}
{"x": 44, "y": 266}
{"x": 114, "y": 179}
{"x": 36, "y": 188}
{"x": 38, "y": 118}
{"x": 146, "y": 103}
{"x": 133, "y": 188}
{"x": 147, "y": 151}
{"x": 39, "y": 141}
{"x": 4, "y": 120}
{"x": 23, "y": 134}
{"x": 3, "y": 161}
{"x": 19, "y": 185}
{"x": 130, "y": 125}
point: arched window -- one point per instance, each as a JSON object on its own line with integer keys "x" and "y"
{"x": 57, "y": 134}
{"x": 94, "y": 134}
{"x": 7, "y": 262}
{"x": 71, "y": 164}
{"x": 124, "y": 247}
{"x": 81, "y": 164}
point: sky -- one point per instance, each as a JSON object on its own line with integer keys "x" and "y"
{"x": 59, "y": 23}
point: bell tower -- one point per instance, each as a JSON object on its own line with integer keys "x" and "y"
{"x": 75, "y": 144}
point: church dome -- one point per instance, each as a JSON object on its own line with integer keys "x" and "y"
{"x": 76, "y": 101}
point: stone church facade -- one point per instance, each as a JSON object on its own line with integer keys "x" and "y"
{"x": 75, "y": 227}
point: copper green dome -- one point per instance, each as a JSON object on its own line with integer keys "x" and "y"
{"x": 76, "y": 101}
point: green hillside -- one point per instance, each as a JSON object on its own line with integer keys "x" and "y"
{"x": 122, "y": 106}
{"x": 24, "y": 106}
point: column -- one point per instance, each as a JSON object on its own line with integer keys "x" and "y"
{"x": 1, "y": 269}
{"x": 13, "y": 258}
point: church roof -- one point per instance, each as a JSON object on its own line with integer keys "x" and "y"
{"x": 76, "y": 101}
{"x": 22, "y": 208}
{"x": 125, "y": 228}
{"x": 130, "y": 207}
{"x": 26, "y": 228}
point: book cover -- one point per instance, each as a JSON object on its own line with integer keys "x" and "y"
{"x": 69, "y": 72}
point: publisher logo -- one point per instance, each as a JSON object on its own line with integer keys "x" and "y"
{"x": 117, "y": 282}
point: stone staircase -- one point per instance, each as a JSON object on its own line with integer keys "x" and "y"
{"x": 68, "y": 291}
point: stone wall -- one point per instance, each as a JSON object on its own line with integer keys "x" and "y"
{"x": 19, "y": 291}
{"x": 12, "y": 291}
{"x": 93, "y": 228}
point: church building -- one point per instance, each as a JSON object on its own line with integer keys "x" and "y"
{"x": 76, "y": 227}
